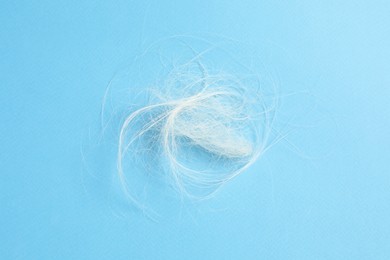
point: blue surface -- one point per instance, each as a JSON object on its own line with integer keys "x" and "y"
{"x": 326, "y": 197}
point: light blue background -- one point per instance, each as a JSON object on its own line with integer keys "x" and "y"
{"x": 56, "y": 59}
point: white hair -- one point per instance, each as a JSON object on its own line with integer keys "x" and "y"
{"x": 205, "y": 128}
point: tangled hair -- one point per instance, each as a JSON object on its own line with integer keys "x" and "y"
{"x": 204, "y": 127}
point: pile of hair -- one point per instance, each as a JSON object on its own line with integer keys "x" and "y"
{"x": 202, "y": 127}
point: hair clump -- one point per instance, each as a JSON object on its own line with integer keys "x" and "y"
{"x": 205, "y": 128}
